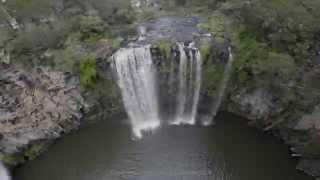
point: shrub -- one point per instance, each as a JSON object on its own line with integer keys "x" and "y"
{"x": 29, "y": 9}
{"x": 165, "y": 47}
{"x": 289, "y": 26}
{"x": 5, "y": 35}
{"x": 88, "y": 72}
{"x": 12, "y": 159}
{"x": 213, "y": 74}
{"x": 115, "y": 12}
{"x": 34, "y": 150}
{"x": 216, "y": 24}
{"x": 39, "y": 37}
{"x": 91, "y": 24}
{"x": 205, "y": 50}
{"x": 255, "y": 63}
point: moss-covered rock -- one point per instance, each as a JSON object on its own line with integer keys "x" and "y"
{"x": 12, "y": 160}
{"x": 165, "y": 47}
{"x": 213, "y": 75}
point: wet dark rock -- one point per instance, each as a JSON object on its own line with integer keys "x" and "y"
{"x": 310, "y": 166}
{"x": 316, "y": 60}
{"x": 175, "y": 29}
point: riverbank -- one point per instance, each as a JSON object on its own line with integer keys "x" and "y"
{"x": 229, "y": 149}
{"x": 61, "y": 56}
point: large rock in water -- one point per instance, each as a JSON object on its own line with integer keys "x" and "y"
{"x": 35, "y": 106}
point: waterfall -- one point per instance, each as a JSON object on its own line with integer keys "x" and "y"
{"x": 182, "y": 76}
{"x": 4, "y": 174}
{"x": 197, "y": 85}
{"x": 137, "y": 81}
{"x": 221, "y": 91}
{"x": 189, "y": 87}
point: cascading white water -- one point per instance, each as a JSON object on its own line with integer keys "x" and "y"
{"x": 222, "y": 88}
{"x": 137, "y": 81}
{"x": 189, "y": 87}
{"x": 197, "y": 86}
{"x": 4, "y": 174}
{"x": 182, "y": 93}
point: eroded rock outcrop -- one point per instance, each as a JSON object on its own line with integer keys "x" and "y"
{"x": 35, "y": 106}
{"x": 289, "y": 110}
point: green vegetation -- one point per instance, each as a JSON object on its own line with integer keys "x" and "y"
{"x": 202, "y": 5}
{"x": 12, "y": 159}
{"x": 38, "y": 37}
{"x": 29, "y": 153}
{"x": 288, "y": 26}
{"x": 216, "y": 25}
{"x": 213, "y": 74}
{"x": 5, "y": 36}
{"x": 107, "y": 94}
{"x": 88, "y": 72}
{"x": 34, "y": 150}
{"x": 312, "y": 149}
{"x": 28, "y": 9}
{"x": 205, "y": 50}
{"x": 257, "y": 64}
{"x": 91, "y": 28}
{"x": 113, "y": 12}
{"x": 164, "y": 47}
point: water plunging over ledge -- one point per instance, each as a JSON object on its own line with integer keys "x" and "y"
{"x": 189, "y": 76}
{"x": 138, "y": 81}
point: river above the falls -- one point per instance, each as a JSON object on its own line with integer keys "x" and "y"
{"x": 105, "y": 151}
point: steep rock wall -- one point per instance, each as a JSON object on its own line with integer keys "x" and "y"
{"x": 35, "y": 107}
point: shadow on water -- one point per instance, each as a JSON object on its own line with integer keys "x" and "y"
{"x": 104, "y": 151}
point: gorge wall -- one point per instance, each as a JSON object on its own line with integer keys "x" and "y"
{"x": 274, "y": 79}
{"x": 36, "y": 108}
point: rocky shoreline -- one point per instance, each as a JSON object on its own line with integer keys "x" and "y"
{"x": 35, "y": 109}
{"x": 299, "y": 130}
{"x": 275, "y": 84}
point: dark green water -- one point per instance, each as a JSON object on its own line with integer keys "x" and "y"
{"x": 228, "y": 151}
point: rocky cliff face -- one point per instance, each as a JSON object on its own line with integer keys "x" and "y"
{"x": 275, "y": 83}
{"x": 295, "y": 120}
{"x": 36, "y": 106}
